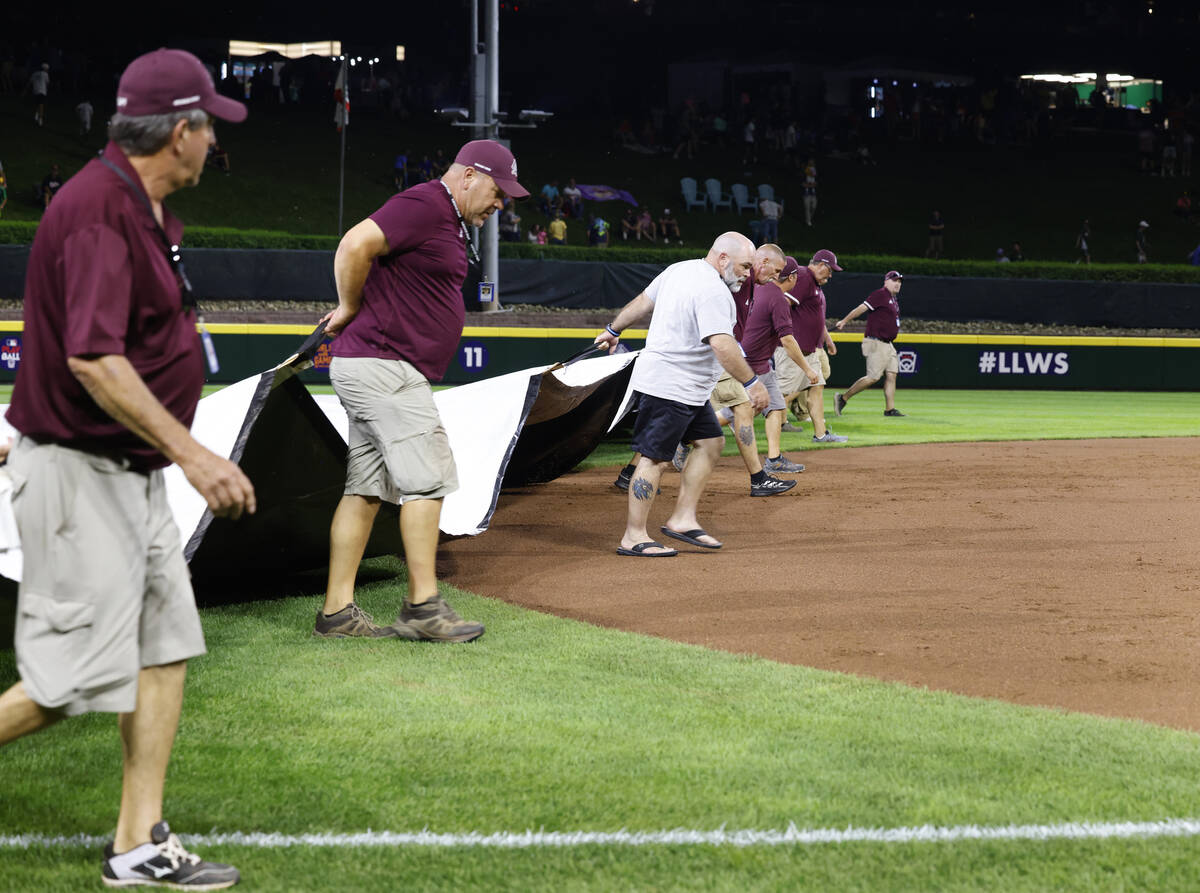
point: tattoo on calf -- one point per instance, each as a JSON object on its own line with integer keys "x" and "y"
{"x": 746, "y": 434}
{"x": 641, "y": 489}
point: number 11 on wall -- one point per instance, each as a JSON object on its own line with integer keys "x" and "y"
{"x": 473, "y": 355}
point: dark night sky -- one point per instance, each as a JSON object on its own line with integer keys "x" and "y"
{"x": 614, "y": 39}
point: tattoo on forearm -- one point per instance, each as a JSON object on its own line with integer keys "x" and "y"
{"x": 746, "y": 434}
{"x": 642, "y": 489}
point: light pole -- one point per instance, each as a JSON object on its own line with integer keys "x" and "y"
{"x": 485, "y": 124}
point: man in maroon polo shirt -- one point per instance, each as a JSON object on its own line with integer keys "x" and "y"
{"x": 107, "y": 389}
{"x": 808, "y": 327}
{"x": 399, "y": 317}
{"x": 769, "y": 327}
{"x": 883, "y": 325}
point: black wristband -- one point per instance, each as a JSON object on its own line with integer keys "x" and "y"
{"x": 612, "y": 331}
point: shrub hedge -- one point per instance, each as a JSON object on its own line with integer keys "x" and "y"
{"x": 21, "y": 232}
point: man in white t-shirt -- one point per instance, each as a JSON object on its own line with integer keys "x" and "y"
{"x": 689, "y": 341}
{"x": 38, "y": 86}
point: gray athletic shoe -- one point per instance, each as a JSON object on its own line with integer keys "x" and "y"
{"x": 351, "y": 621}
{"x": 839, "y": 403}
{"x": 791, "y": 429}
{"x": 770, "y": 486}
{"x": 782, "y": 465}
{"x": 830, "y": 437}
{"x": 163, "y": 862}
{"x": 434, "y": 621}
{"x": 681, "y": 455}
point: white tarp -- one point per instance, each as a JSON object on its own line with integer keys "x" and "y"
{"x": 483, "y": 422}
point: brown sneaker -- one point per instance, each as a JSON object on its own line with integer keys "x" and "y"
{"x": 350, "y": 621}
{"x": 434, "y": 621}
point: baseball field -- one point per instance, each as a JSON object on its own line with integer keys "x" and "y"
{"x": 960, "y": 655}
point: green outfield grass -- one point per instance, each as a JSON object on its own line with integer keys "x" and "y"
{"x": 552, "y": 724}
{"x": 549, "y": 724}
{"x": 958, "y": 416}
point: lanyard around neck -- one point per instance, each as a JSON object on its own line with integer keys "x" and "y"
{"x": 461, "y": 223}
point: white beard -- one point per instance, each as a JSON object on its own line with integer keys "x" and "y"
{"x": 732, "y": 281}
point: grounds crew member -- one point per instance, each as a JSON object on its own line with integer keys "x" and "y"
{"x": 104, "y": 397}
{"x": 400, "y": 314}
{"x": 883, "y": 325}
{"x": 808, "y": 327}
{"x": 689, "y": 341}
{"x": 770, "y": 327}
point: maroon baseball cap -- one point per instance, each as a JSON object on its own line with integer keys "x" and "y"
{"x": 825, "y": 256}
{"x": 495, "y": 161}
{"x": 892, "y": 274}
{"x": 167, "y": 81}
{"x": 791, "y": 267}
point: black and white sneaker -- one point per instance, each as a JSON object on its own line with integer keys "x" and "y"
{"x": 770, "y": 486}
{"x": 165, "y": 863}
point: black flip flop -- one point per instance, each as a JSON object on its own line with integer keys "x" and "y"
{"x": 692, "y": 537}
{"x": 639, "y": 551}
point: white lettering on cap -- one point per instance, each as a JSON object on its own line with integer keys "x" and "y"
{"x": 482, "y": 167}
{"x": 122, "y": 101}
{"x": 514, "y": 170}
{"x": 186, "y": 100}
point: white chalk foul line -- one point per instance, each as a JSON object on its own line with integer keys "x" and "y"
{"x": 790, "y": 836}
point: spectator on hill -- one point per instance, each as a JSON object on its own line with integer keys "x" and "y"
{"x": 83, "y": 113}
{"x": 770, "y": 212}
{"x": 218, "y": 157}
{"x": 51, "y": 183}
{"x": 3, "y": 192}
{"x": 1140, "y": 241}
{"x": 750, "y": 143}
{"x": 572, "y": 200}
{"x": 1183, "y": 206}
{"x": 441, "y": 163}
{"x": 645, "y": 225}
{"x": 1145, "y": 142}
{"x": 1193, "y": 258}
{"x": 937, "y": 230}
{"x": 400, "y": 172}
{"x": 510, "y": 224}
{"x": 1015, "y": 253}
{"x": 629, "y": 225}
{"x": 557, "y": 230}
{"x": 668, "y": 227}
{"x": 38, "y": 86}
{"x": 810, "y": 191}
{"x": 1169, "y": 154}
{"x": 1186, "y": 142}
{"x": 425, "y": 169}
{"x": 598, "y": 232}
{"x": 549, "y": 199}
{"x": 1081, "y": 243}
{"x": 1001, "y": 257}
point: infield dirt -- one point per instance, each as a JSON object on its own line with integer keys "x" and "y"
{"x": 1052, "y": 573}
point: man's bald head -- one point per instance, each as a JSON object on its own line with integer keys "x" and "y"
{"x": 768, "y": 261}
{"x": 732, "y": 255}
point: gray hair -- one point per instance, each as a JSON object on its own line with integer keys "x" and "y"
{"x": 147, "y": 134}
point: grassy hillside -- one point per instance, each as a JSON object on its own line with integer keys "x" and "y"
{"x": 285, "y": 177}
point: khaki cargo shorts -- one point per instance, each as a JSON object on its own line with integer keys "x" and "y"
{"x": 788, "y": 374}
{"x": 881, "y": 357}
{"x": 728, "y": 392}
{"x": 398, "y": 449}
{"x": 105, "y": 589}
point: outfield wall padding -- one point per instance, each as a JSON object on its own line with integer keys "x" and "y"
{"x": 294, "y": 275}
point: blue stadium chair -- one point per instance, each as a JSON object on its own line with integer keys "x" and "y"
{"x": 691, "y": 194}
{"x": 741, "y": 197}
{"x": 717, "y": 198}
